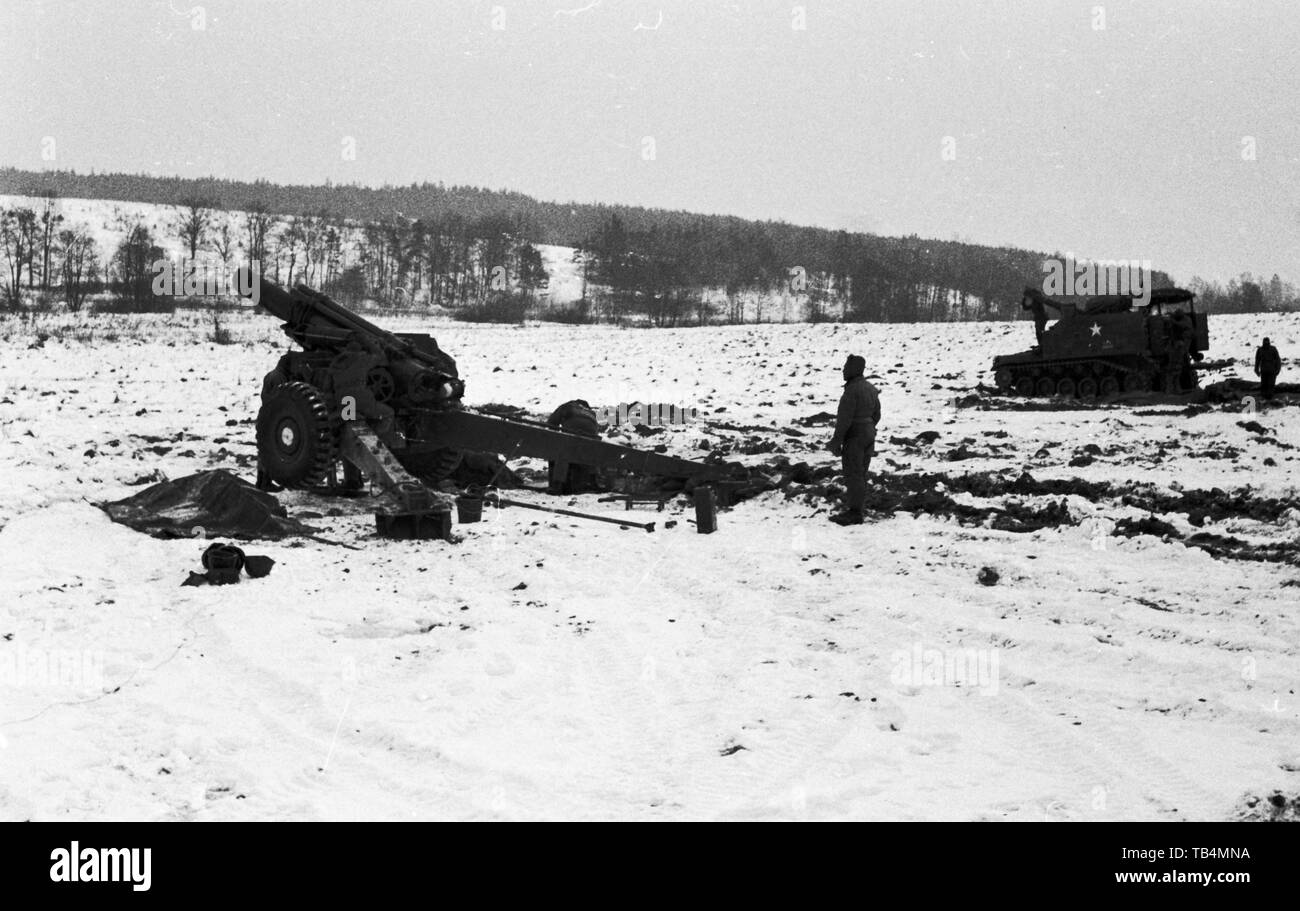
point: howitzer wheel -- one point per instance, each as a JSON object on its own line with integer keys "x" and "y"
{"x": 381, "y": 383}
{"x": 1087, "y": 387}
{"x": 1108, "y": 386}
{"x": 297, "y": 437}
{"x": 1025, "y": 386}
{"x": 1003, "y": 379}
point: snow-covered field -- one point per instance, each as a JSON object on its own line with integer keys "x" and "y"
{"x": 782, "y": 668}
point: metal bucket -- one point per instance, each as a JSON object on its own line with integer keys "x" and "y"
{"x": 469, "y": 509}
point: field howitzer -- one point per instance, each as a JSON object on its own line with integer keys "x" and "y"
{"x": 388, "y": 406}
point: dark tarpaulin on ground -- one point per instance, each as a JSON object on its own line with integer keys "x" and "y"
{"x": 216, "y": 501}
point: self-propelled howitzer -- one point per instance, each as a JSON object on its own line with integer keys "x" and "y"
{"x": 1107, "y": 344}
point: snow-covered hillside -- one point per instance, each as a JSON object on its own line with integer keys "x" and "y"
{"x": 544, "y": 667}
{"x": 109, "y": 221}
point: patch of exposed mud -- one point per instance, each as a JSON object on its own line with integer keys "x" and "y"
{"x": 936, "y": 494}
{"x": 1232, "y": 548}
{"x": 984, "y": 398}
{"x": 1231, "y": 392}
{"x": 1199, "y": 505}
{"x": 920, "y": 494}
{"x": 1234, "y": 389}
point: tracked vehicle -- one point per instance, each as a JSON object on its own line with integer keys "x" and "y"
{"x": 1109, "y": 344}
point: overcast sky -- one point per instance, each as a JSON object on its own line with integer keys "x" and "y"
{"x": 1125, "y": 141}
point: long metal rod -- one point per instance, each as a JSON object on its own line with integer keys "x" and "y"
{"x": 502, "y": 501}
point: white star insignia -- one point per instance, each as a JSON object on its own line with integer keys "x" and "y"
{"x": 1096, "y": 330}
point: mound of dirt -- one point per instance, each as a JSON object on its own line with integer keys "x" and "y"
{"x": 1276, "y": 807}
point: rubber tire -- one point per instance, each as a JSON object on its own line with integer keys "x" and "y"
{"x": 1025, "y": 386}
{"x": 1045, "y": 386}
{"x": 297, "y": 438}
{"x": 1004, "y": 379}
{"x": 1066, "y": 387}
{"x": 1088, "y": 387}
{"x": 1108, "y": 387}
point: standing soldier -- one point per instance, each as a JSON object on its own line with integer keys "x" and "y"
{"x": 1268, "y": 364}
{"x": 1180, "y": 341}
{"x": 1033, "y": 301}
{"x": 855, "y": 437}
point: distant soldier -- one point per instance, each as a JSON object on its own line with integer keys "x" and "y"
{"x": 574, "y": 417}
{"x": 1268, "y": 364}
{"x": 1180, "y": 342}
{"x": 855, "y": 437}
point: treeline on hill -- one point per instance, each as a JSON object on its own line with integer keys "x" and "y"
{"x": 481, "y": 269}
{"x": 668, "y": 272}
{"x": 472, "y": 250}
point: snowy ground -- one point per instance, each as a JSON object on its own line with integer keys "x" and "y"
{"x": 782, "y": 668}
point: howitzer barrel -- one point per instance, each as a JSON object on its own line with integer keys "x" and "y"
{"x": 272, "y": 297}
{"x": 311, "y": 313}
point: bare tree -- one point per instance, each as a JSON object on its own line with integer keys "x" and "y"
{"x": 259, "y": 224}
{"x": 195, "y": 220}
{"x": 313, "y": 246}
{"x": 290, "y": 242}
{"x": 133, "y": 261}
{"x": 50, "y": 220}
{"x": 80, "y": 265}
{"x": 17, "y": 234}
{"x": 335, "y": 233}
{"x": 225, "y": 242}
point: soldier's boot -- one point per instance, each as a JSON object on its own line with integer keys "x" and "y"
{"x": 848, "y": 517}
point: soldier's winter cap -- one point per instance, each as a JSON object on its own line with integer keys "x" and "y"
{"x": 856, "y": 364}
